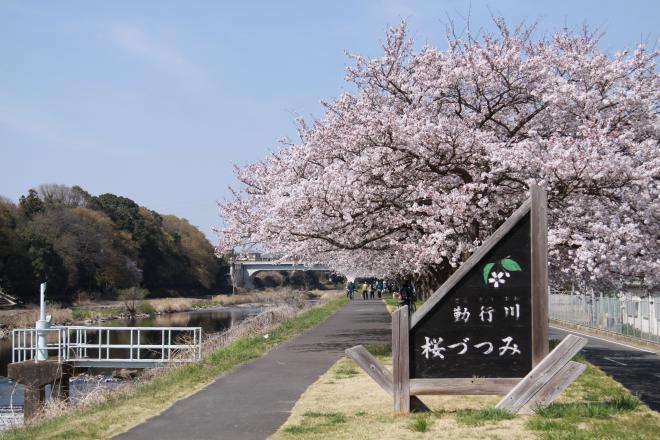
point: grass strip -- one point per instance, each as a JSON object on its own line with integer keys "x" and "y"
{"x": 127, "y": 409}
{"x": 314, "y": 422}
{"x": 478, "y": 417}
{"x": 594, "y": 407}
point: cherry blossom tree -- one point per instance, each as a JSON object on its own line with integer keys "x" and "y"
{"x": 435, "y": 148}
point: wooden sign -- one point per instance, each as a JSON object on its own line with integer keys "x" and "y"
{"x": 485, "y": 330}
{"x": 482, "y": 327}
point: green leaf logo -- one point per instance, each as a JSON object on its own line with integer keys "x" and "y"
{"x": 510, "y": 265}
{"x": 487, "y": 269}
{"x": 499, "y": 276}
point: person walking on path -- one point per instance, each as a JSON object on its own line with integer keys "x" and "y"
{"x": 408, "y": 297}
{"x": 365, "y": 292}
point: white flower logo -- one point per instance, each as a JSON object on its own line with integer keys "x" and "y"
{"x": 496, "y": 278}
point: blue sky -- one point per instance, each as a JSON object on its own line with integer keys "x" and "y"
{"x": 157, "y": 100}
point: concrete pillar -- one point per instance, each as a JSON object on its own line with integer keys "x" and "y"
{"x": 34, "y": 376}
{"x": 33, "y": 401}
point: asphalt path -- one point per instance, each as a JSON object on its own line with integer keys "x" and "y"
{"x": 636, "y": 369}
{"x": 254, "y": 400}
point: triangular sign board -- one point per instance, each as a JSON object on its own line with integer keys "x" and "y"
{"x": 490, "y": 318}
{"x": 485, "y": 330}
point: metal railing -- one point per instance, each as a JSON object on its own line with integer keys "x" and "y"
{"x": 134, "y": 347}
{"x": 626, "y": 314}
{"x": 24, "y": 343}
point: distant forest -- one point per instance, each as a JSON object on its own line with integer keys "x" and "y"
{"x": 94, "y": 245}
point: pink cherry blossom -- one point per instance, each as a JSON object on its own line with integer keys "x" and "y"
{"x": 435, "y": 148}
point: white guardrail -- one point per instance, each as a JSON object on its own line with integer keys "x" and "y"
{"x": 112, "y": 347}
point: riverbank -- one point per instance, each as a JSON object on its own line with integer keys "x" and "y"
{"x": 88, "y": 313}
{"x": 346, "y": 403}
{"x": 131, "y": 406}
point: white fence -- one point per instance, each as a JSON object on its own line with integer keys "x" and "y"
{"x": 114, "y": 347}
{"x": 628, "y": 315}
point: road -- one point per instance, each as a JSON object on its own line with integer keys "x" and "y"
{"x": 254, "y": 400}
{"x": 636, "y": 369}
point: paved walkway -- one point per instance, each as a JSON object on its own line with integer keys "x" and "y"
{"x": 636, "y": 369}
{"x": 254, "y": 400}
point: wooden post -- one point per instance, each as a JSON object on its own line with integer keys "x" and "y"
{"x": 539, "y": 251}
{"x": 400, "y": 360}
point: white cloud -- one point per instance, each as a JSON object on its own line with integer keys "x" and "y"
{"x": 135, "y": 40}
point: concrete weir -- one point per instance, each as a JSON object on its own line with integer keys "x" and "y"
{"x": 35, "y": 375}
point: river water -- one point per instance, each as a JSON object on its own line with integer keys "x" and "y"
{"x": 210, "y": 320}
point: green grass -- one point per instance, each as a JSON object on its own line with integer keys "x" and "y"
{"x": 345, "y": 371}
{"x": 380, "y": 350}
{"x": 420, "y": 423}
{"x": 80, "y": 313}
{"x": 207, "y": 304}
{"x": 114, "y": 311}
{"x": 477, "y": 417}
{"x": 594, "y": 410}
{"x": 315, "y": 422}
{"x": 389, "y": 300}
{"x": 145, "y": 306}
{"x": 596, "y": 407}
{"x": 593, "y": 407}
{"x": 635, "y": 426}
{"x": 124, "y": 410}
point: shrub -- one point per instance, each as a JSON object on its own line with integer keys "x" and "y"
{"x": 80, "y": 313}
{"x": 131, "y": 296}
{"x": 145, "y": 306}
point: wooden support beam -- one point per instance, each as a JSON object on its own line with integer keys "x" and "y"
{"x": 537, "y": 379}
{"x": 381, "y": 375}
{"x": 401, "y": 360}
{"x": 468, "y": 386}
{"x": 372, "y": 366}
{"x": 554, "y": 387}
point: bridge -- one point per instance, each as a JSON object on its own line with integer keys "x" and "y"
{"x": 242, "y": 271}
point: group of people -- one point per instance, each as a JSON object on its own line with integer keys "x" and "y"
{"x": 369, "y": 290}
{"x": 374, "y": 289}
